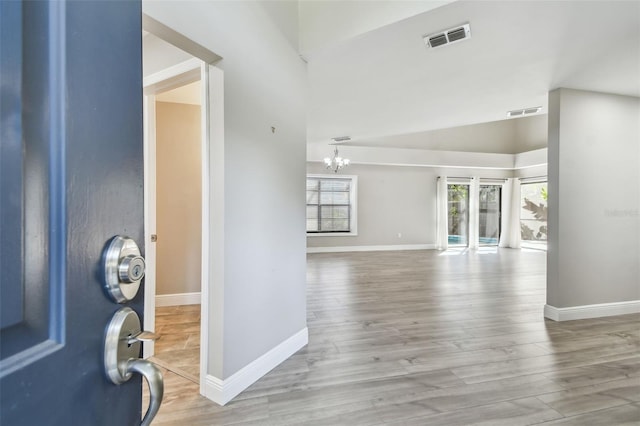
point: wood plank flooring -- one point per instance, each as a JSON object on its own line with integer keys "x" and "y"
{"x": 430, "y": 338}
{"x": 178, "y": 348}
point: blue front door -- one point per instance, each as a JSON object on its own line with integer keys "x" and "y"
{"x": 70, "y": 179}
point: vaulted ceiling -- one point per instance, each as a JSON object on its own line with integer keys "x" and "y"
{"x": 376, "y": 85}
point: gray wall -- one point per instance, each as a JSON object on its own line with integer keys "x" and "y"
{"x": 392, "y": 200}
{"x": 260, "y": 300}
{"x": 594, "y": 198}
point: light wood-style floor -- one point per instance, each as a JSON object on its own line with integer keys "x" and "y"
{"x": 429, "y": 338}
{"x": 178, "y": 348}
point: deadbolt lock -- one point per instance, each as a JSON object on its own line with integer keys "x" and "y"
{"x": 131, "y": 269}
{"x": 124, "y": 269}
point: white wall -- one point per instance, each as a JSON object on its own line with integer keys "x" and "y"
{"x": 530, "y": 133}
{"x": 594, "y": 199}
{"x": 395, "y": 199}
{"x": 284, "y": 13}
{"x": 158, "y": 55}
{"x": 258, "y": 301}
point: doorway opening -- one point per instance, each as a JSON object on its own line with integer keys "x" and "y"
{"x": 176, "y": 145}
{"x": 178, "y": 198}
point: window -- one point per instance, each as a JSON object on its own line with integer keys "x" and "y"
{"x": 489, "y": 220}
{"x": 331, "y": 207}
{"x": 458, "y": 220}
{"x": 533, "y": 215}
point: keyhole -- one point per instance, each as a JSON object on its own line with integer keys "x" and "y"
{"x": 136, "y": 271}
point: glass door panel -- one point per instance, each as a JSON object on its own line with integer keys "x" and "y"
{"x": 458, "y": 208}
{"x": 489, "y": 223}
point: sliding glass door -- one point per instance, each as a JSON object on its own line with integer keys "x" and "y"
{"x": 489, "y": 220}
{"x": 458, "y": 211}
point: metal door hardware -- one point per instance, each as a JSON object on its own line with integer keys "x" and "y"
{"x": 122, "y": 343}
{"x": 124, "y": 269}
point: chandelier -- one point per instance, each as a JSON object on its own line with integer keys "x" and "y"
{"x": 337, "y": 162}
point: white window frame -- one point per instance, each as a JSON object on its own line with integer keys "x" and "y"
{"x": 353, "y": 202}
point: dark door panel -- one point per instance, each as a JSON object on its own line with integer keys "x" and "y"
{"x": 70, "y": 179}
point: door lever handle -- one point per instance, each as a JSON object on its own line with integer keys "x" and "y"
{"x": 122, "y": 342}
{"x": 155, "y": 382}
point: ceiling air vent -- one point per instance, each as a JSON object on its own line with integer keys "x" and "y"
{"x": 452, "y": 35}
{"x": 523, "y": 112}
{"x": 438, "y": 40}
{"x": 341, "y": 139}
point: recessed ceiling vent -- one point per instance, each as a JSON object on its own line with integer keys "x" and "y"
{"x": 341, "y": 139}
{"x": 522, "y": 112}
{"x": 452, "y": 35}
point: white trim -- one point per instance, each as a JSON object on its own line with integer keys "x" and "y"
{"x": 370, "y": 248}
{"x": 385, "y": 156}
{"x": 591, "y": 311}
{"x": 175, "y": 76}
{"x": 177, "y": 39}
{"x": 331, "y": 176}
{"x": 459, "y": 180}
{"x": 178, "y": 299}
{"x": 223, "y": 391}
{"x": 149, "y": 150}
{"x": 332, "y": 234}
{"x": 533, "y": 179}
{"x": 205, "y": 122}
{"x": 212, "y": 79}
{"x": 493, "y": 181}
{"x": 212, "y": 343}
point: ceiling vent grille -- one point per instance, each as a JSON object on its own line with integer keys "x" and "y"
{"x": 341, "y": 139}
{"x": 523, "y": 112}
{"x": 452, "y": 35}
{"x": 438, "y": 40}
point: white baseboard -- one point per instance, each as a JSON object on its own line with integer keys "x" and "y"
{"x": 178, "y": 299}
{"x": 591, "y": 311}
{"x": 223, "y": 391}
{"x": 343, "y": 249}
